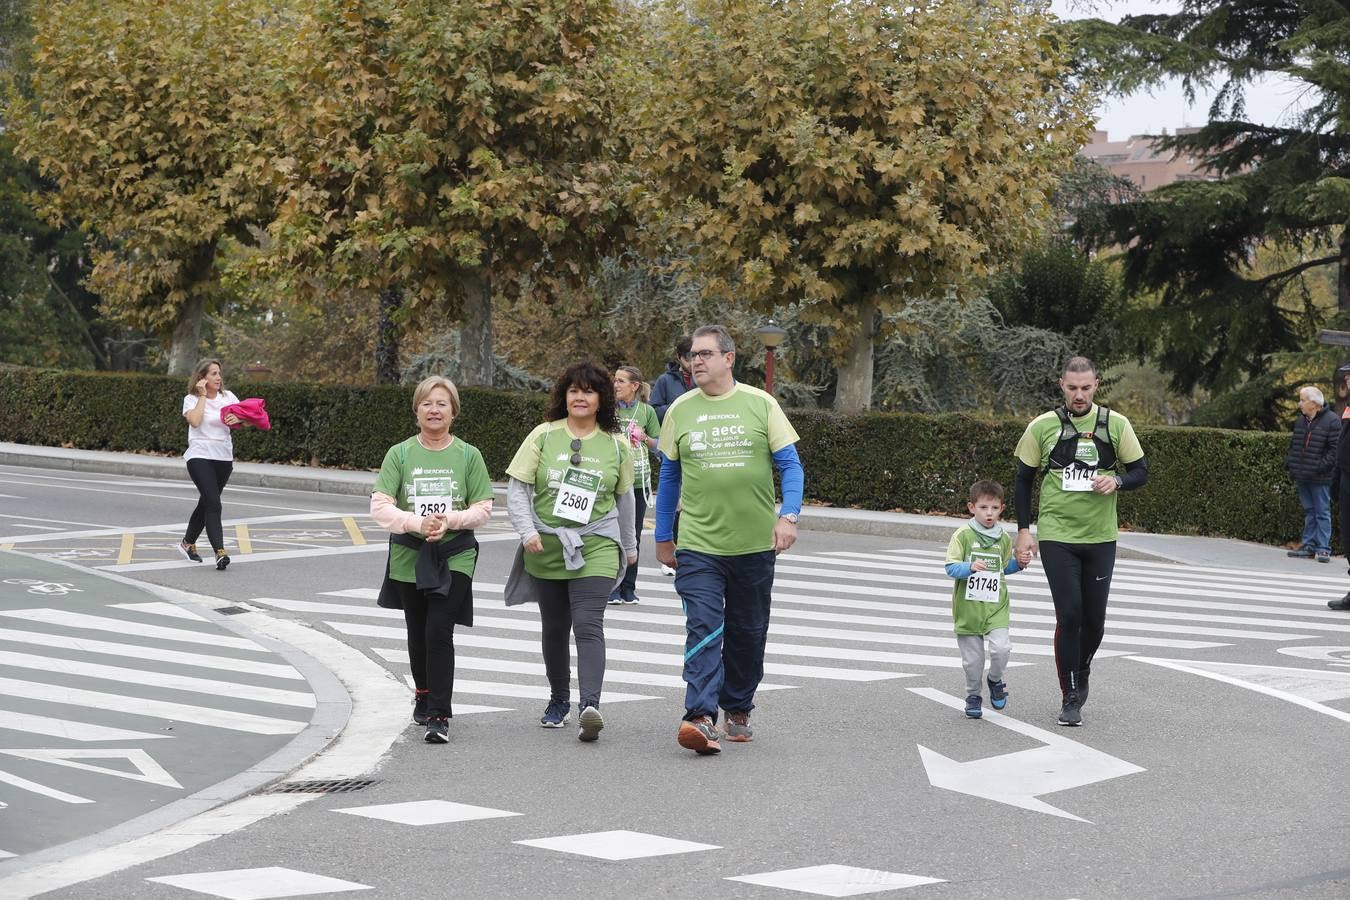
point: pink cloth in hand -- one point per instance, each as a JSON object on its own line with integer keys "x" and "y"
{"x": 253, "y": 411}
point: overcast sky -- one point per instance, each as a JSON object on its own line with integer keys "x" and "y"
{"x": 1268, "y": 103}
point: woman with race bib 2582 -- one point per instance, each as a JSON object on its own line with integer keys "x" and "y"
{"x": 570, "y": 498}
{"x": 1084, "y": 454}
{"x": 433, "y": 490}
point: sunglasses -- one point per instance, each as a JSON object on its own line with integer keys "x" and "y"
{"x": 576, "y": 451}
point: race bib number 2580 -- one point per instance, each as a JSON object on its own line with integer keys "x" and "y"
{"x": 576, "y": 496}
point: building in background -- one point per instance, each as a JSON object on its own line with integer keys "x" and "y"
{"x": 1139, "y": 160}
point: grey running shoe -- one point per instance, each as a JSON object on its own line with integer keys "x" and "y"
{"x": 700, "y": 735}
{"x": 738, "y": 727}
{"x": 1301, "y": 553}
{"x": 590, "y": 723}
{"x": 1072, "y": 713}
{"x": 1324, "y": 556}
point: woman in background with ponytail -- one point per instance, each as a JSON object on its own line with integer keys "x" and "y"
{"x": 638, "y": 420}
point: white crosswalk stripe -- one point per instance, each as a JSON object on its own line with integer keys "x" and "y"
{"x": 860, "y": 614}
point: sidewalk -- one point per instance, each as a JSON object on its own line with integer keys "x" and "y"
{"x": 1186, "y": 549}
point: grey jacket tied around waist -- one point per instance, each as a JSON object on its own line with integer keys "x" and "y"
{"x": 519, "y": 588}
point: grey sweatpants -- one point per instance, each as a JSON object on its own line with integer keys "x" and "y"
{"x": 972, "y": 657}
{"x": 575, "y": 607}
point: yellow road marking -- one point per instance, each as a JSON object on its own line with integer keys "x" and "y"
{"x": 241, "y": 538}
{"x": 357, "y": 537}
{"x": 6, "y": 546}
{"x": 128, "y": 547}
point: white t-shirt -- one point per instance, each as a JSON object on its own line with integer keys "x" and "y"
{"x": 211, "y": 439}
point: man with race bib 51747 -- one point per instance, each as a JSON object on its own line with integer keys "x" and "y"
{"x": 1084, "y": 453}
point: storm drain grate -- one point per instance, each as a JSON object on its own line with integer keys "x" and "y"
{"x": 338, "y": 786}
{"x": 231, "y": 610}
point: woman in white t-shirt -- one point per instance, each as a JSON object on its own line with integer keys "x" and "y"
{"x": 210, "y": 456}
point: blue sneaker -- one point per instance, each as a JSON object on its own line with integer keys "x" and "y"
{"x": 555, "y": 716}
{"x": 998, "y": 693}
{"x": 973, "y": 709}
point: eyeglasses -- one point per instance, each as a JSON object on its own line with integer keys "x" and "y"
{"x": 576, "y": 451}
{"x": 704, "y": 355}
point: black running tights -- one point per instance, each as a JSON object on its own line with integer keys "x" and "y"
{"x": 1080, "y": 580}
{"x": 209, "y": 475}
{"x": 431, "y": 639}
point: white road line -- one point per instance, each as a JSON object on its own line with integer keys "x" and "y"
{"x": 70, "y": 729}
{"x": 34, "y": 527}
{"x": 170, "y": 680}
{"x": 273, "y": 556}
{"x": 161, "y": 608}
{"x": 143, "y": 495}
{"x": 1251, "y": 686}
{"x": 674, "y": 659}
{"x": 124, "y": 626}
{"x": 170, "y": 530}
{"x": 25, "y": 785}
{"x": 531, "y": 692}
{"x": 359, "y": 629}
{"x": 142, "y": 652}
{"x": 516, "y": 667}
{"x": 154, "y": 709}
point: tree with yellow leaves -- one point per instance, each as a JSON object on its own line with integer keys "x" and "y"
{"x": 850, "y": 154}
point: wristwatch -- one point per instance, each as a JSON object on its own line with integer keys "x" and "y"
{"x": 791, "y": 517}
{"x": 1120, "y": 482}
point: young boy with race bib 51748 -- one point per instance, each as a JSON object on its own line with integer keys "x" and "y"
{"x": 979, "y": 555}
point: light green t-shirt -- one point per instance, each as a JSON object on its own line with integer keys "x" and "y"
{"x": 974, "y": 616}
{"x": 446, "y": 480}
{"x": 724, "y": 446}
{"x": 542, "y": 460}
{"x": 1076, "y": 517}
{"x": 645, "y": 417}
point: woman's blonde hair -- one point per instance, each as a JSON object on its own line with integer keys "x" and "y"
{"x": 199, "y": 372}
{"x": 427, "y": 385}
{"x": 635, "y": 374}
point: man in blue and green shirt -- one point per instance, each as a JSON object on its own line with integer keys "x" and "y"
{"x": 722, "y": 442}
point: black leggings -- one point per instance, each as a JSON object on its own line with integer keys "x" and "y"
{"x": 1080, "y": 580}
{"x": 431, "y": 639}
{"x": 1343, "y": 498}
{"x": 628, "y": 587}
{"x": 577, "y": 606}
{"x": 209, "y": 475}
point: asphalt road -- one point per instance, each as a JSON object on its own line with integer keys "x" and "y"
{"x": 1210, "y": 763}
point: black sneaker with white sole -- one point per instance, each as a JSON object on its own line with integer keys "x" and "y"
{"x": 556, "y": 713}
{"x": 188, "y": 551}
{"x": 438, "y": 730}
{"x": 222, "y": 560}
{"x": 420, "y": 706}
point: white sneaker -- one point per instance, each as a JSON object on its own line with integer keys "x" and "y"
{"x": 666, "y": 570}
{"x": 591, "y": 723}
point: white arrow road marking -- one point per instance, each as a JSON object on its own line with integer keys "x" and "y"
{"x": 26, "y": 785}
{"x": 148, "y": 770}
{"x": 1017, "y": 779}
{"x": 1302, "y": 687}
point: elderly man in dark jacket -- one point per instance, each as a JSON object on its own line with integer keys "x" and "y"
{"x": 1311, "y": 462}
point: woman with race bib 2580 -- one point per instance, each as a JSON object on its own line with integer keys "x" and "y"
{"x": 1084, "y": 453}
{"x": 570, "y": 498}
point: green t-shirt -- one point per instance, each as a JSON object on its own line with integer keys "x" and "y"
{"x": 724, "y": 446}
{"x": 446, "y": 480}
{"x": 1076, "y": 517}
{"x": 543, "y": 460}
{"x": 645, "y": 417}
{"x": 976, "y": 616}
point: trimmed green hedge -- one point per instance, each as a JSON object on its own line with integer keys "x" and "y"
{"x": 1202, "y": 480}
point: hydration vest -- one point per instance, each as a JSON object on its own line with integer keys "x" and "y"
{"x": 1065, "y": 453}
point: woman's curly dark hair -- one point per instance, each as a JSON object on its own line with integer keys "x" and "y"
{"x": 591, "y": 377}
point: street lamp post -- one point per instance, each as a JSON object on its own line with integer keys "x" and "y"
{"x": 770, "y": 336}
